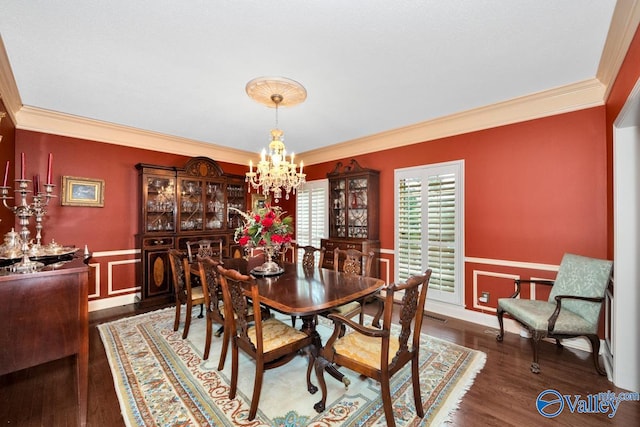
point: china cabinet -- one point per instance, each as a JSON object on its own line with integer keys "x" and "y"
{"x": 179, "y": 205}
{"x": 353, "y": 211}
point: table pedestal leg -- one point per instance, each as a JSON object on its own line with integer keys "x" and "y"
{"x": 309, "y": 327}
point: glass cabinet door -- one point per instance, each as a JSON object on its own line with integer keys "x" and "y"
{"x": 235, "y": 200}
{"x": 159, "y": 213}
{"x": 358, "y": 212}
{"x": 190, "y": 208}
{"x": 214, "y": 206}
{"x": 339, "y": 206}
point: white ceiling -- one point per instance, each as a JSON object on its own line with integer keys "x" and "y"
{"x": 180, "y": 67}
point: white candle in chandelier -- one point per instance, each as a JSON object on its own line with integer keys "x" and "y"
{"x": 292, "y": 159}
{"x": 263, "y": 155}
{"x": 250, "y": 166}
{"x": 301, "y": 164}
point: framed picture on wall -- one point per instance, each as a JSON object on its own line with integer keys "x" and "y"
{"x": 259, "y": 201}
{"x": 78, "y": 191}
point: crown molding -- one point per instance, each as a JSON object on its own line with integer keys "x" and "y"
{"x": 573, "y": 97}
{"x": 8, "y": 88}
{"x": 46, "y": 121}
{"x": 624, "y": 23}
{"x": 556, "y": 101}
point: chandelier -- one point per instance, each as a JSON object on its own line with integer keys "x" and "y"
{"x": 274, "y": 172}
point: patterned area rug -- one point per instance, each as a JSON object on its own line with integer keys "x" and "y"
{"x": 161, "y": 380}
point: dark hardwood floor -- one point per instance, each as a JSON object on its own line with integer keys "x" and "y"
{"x": 504, "y": 392}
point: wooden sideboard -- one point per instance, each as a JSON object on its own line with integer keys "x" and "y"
{"x": 45, "y": 317}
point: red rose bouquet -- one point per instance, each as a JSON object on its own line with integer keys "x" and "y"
{"x": 265, "y": 227}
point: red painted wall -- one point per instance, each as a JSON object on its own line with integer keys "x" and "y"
{"x": 111, "y": 228}
{"x": 534, "y": 190}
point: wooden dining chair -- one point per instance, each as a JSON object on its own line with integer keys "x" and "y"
{"x": 352, "y": 261}
{"x": 184, "y": 292}
{"x": 309, "y": 262}
{"x": 288, "y": 254}
{"x": 309, "y": 256}
{"x": 204, "y": 248}
{"x": 376, "y": 352}
{"x": 213, "y": 302}
{"x": 256, "y": 258}
{"x": 270, "y": 342}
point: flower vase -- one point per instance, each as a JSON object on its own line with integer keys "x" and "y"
{"x": 270, "y": 265}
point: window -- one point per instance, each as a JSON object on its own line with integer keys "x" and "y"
{"x": 311, "y": 213}
{"x": 429, "y": 227}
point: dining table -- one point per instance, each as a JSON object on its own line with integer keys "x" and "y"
{"x": 308, "y": 291}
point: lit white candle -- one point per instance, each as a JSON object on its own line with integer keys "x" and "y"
{"x": 263, "y": 155}
{"x": 301, "y": 165}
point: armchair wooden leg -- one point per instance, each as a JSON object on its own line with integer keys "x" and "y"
{"x": 226, "y": 337}
{"x": 257, "y": 388}
{"x": 595, "y": 350}
{"x": 385, "y": 391}
{"x": 187, "y": 320}
{"x": 500, "y": 314}
{"x": 536, "y": 336}
{"x": 207, "y": 340}
{"x": 234, "y": 370}
{"x": 176, "y": 322}
{"x": 415, "y": 377}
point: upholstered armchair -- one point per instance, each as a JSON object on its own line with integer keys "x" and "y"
{"x": 572, "y": 310}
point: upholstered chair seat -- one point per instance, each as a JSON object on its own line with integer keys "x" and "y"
{"x": 364, "y": 349}
{"x": 276, "y": 334}
{"x": 535, "y": 314}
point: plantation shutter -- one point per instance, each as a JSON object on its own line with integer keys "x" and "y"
{"x": 429, "y": 228}
{"x": 441, "y": 204}
{"x": 317, "y": 216}
{"x": 409, "y": 244}
{"x": 311, "y": 213}
{"x": 303, "y": 207}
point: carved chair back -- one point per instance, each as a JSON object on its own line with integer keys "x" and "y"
{"x": 355, "y": 261}
{"x": 204, "y": 248}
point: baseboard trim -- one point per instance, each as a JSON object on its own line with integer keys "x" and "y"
{"x": 112, "y": 302}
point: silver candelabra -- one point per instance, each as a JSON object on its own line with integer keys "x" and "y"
{"x": 24, "y": 211}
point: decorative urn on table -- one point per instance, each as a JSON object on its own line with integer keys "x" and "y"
{"x": 267, "y": 229}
